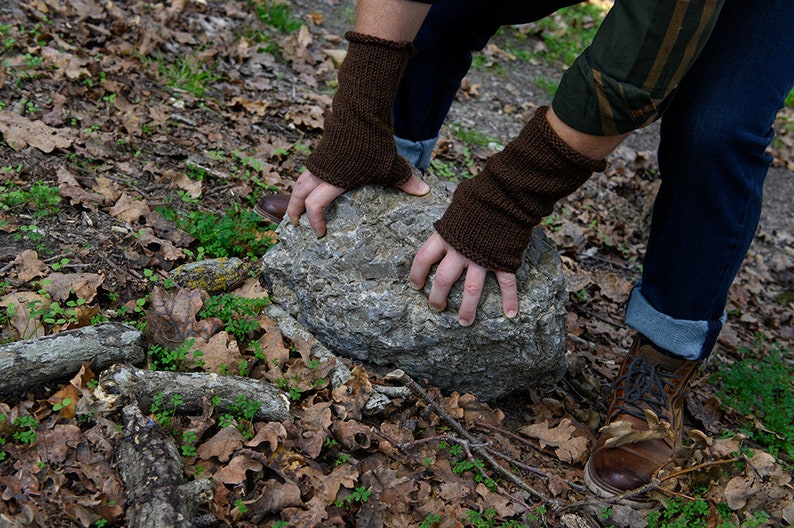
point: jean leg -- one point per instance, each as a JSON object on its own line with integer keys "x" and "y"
{"x": 452, "y": 30}
{"x": 713, "y": 165}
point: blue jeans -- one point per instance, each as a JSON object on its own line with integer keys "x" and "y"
{"x": 712, "y": 156}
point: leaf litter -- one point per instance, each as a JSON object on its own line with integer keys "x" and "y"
{"x": 98, "y": 120}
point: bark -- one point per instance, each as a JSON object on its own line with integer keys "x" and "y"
{"x": 152, "y": 470}
{"x": 26, "y": 364}
{"x": 143, "y": 385}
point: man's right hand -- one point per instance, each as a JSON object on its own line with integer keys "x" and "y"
{"x": 312, "y": 195}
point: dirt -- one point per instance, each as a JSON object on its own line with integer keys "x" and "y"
{"x": 132, "y": 135}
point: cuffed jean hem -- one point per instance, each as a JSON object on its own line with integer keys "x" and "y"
{"x": 691, "y": 340}
{"x": 417, "y": 153}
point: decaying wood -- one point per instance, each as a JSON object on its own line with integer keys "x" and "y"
{"x": 142, "y": 386}
{"x": 152, "y": 470}
{"x": 28, "y": 363}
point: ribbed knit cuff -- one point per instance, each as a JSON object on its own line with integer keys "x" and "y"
{"x": 491, "y": 217}
{"x": 357, "y": 147}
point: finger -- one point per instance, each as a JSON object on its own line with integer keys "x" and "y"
{"x": 507, "y": 283}
{"x": 415, "y": 186}
{"x": 432, "y": 251}
{"x": 448, "y": 272}
{"x": 305, "y": 184}
{"x": 472, "y": 291}
{"x": 320, "y": 198}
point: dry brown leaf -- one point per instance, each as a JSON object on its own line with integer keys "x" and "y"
{"x": 622, "y": 432}
{"x": 327, "y": 486}
{"x": 235, "y": 471}
{"x": 84, "y": 285}
{"x": 23, "y": 304}
{"x": 171, "y": 320}
{"x": 275, "y": 497}
{"x": 256, "y": 107}
{"x": 739, "y": 489}
{"x": 28, "y": 266}
{"x": 192, "y": 187}
{"x": 68, "y": 65}
{"x": 353, "y": 395}
{"x": 129, "y": 210}
{"x": 19, "y": 132}
{"x": 53, "y": 445}
{"x": 107, "y": 188}
{"x": 336, "y": 56}
{"x": 152, "y": 245}
{"x": 271, "y": 344}
{"x": 613, "y": 286}
{"x": 571, "y": 449}
{"x": 315, "y": 424}
{"x": 272, "y": 432}
{"x": 222, "y": 445}
{"x": 220, "y": 354}
{"x": 70, "y": 188}
{"x": 476, "y": 411}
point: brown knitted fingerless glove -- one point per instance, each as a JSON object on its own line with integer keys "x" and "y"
{"x": 357, "y": 147}
{"x": 491, "y": 217}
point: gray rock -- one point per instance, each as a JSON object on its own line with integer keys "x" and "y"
{"x": 350, "y": 289}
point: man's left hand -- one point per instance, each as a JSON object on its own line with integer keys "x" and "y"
{"x": 451, "y": 265}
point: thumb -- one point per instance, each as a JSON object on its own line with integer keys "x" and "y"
{"x": 415, "y": 186}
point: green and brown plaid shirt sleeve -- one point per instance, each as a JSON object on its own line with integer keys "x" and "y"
{"x": 643, "y": 48}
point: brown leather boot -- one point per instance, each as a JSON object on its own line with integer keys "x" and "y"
{"x": 272, "y": 207}
{"x": 644, "y": 423}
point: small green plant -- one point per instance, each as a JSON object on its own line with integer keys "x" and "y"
{"x": 472, "y": 137}
{"x": 341, "y": 459}
{"x": 190, "y": 73}
{"x": 680, "y": 514}
{"x": 278, "y": 16}
{"x": 236, "y": 233}
{"x": 25, "y": 432}
{"x": 488, "y": 519}
{"x": 241, "y": 507}
{"x": 430, "y": 520}
{"x": 188, "y": 443}
{"x": 359, "y": 495}
{"x": 162, "y": 358}
{"x": 66, "y": 402}
{"x": 762, "y": 384}
{"x": 548, "y": 84}
{"x": 40, "y": 200}
{"x": 238, "y": 314}
{"x": 165, "y": 411}
{"x": 242, "y": 414}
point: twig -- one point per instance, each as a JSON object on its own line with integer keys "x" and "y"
{"x": 421, "y": 394}
{"x": 653, "y": 485}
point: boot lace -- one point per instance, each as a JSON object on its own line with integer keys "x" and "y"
{"x": 643, "y": 388}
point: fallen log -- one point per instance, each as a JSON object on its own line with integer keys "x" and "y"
{"x": 152, "y": 470}
{"x": 26, "y": 364}
{"x": 190, "y": 387}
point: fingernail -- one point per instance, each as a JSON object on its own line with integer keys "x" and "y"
{"x": 464, "y": 322}
{"x": 424, "y": 189}
{"x": 511, "y": 314}
{"x": 415, "y": 286}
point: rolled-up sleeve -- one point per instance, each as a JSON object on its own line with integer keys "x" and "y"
{"x": 623, "y": 81}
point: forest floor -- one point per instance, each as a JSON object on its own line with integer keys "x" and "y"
{"x": 136, "y": 136}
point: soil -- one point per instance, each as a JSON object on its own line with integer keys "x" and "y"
{"x": 106, "y": 92}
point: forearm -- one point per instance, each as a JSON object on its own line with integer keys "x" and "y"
{"x": 624, "y": 80}
{"x": 396, "y": 20}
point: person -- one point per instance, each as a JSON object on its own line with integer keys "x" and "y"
{"x": 718, "y": 75}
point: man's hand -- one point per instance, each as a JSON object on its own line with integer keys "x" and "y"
{"x": 312, "y": 195}
{"x": 451, "y": 266}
